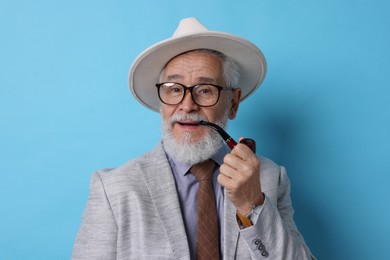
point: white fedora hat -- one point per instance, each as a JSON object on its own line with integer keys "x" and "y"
{"x": 190, "y": 35}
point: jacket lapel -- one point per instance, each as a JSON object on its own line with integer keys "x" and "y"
{"x": 161, "y": 184}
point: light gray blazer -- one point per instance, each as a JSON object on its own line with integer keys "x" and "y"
{"x": 133, "y": 212}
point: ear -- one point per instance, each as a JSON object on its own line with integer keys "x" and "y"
{"x": 235, "y": 101}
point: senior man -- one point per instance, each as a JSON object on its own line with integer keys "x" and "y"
{"x": 191, "y": 197}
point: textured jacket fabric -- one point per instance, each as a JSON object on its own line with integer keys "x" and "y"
{"x": 133, "y": 212}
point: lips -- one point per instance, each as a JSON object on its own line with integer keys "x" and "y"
{"x": 188, "y": 123}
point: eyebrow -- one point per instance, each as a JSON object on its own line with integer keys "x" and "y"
{"x": 200, "y": 80}
{"x": 207, "y": 80}
{"x": 174, "y": 77}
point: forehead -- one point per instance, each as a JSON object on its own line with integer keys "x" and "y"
{"x": 194, "y": 64}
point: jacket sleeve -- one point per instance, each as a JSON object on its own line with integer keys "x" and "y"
{"x": 97, "y": 235}
{"x": 275, "y": 235}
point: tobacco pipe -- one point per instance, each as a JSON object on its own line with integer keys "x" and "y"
{"x": 228, "y": 139}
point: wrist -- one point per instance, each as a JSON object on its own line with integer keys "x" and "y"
{"x": 247, "y": 211}
{"x": 245, "y": 219}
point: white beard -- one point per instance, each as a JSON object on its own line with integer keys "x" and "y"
{"x": 185, "y": 151}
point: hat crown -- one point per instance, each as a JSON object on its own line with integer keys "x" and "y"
{"x": 189, "y": 26}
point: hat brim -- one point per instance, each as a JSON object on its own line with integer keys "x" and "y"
{"x": 145, "y": 70}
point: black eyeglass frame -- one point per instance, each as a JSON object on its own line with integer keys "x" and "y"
{"x": 158, "y": 85}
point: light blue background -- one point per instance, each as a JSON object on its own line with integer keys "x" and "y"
{"x": 323, "y": 111}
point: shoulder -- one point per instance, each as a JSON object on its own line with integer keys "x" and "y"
{"x": 274, "y": 179}
{"x": 131, "y": 172}
{"x": 146, "y": 160}
{"x": 269, "y": 166}
{"x": 271, "y": 173}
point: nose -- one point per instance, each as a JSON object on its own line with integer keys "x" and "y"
{"x": 188, "y": 105}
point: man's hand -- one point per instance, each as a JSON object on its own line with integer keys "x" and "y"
{"x": 240, "y": 176}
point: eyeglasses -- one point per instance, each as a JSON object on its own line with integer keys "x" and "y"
{"x": 204, "y": 95}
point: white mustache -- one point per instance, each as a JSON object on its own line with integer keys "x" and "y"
{"x": 187, "y": 117}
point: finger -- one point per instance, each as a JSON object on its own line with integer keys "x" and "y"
{"x": 225, "y": 181}
{"x": 243, "y": 152}
{"x": 227, "y": 170}
{"x": 232, "y": 160}
{"x": 235, "y": 166}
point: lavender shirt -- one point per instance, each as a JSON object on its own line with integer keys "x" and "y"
{"x": 187, "y": 187}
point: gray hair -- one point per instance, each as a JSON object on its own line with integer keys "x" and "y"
{"x": 231, "y": 71}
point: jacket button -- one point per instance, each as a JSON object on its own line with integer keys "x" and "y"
{"x": 256, "y": 242}
{"x": 261, "y": 247}
{"x": 264, "y": 253}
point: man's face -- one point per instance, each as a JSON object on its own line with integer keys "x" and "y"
{"x": 190, "y": 69}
